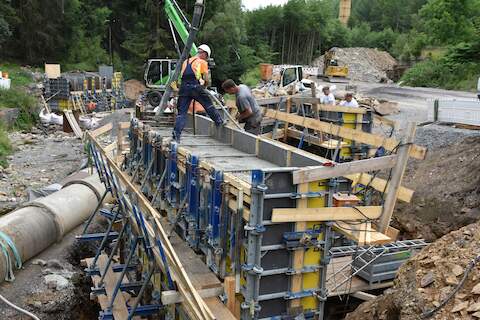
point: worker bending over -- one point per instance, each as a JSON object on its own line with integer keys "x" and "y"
{"x": 249, "y": 111}
{"x": 194, "y": 80}
{"x": 349, "y": 101}
{"x": 327, "y": 97}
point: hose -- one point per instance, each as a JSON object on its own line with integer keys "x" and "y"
{"x": 31, "y": 315}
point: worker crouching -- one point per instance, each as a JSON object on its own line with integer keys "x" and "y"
{"x": 194, "y": 80}
{"x": 249, "y": 111}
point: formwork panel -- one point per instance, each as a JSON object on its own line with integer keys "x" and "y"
{"x": 270, "y": 152}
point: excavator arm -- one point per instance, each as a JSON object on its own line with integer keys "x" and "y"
{"x": 175, "y": 15}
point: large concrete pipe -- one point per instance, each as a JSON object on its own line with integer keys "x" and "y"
{"x": 39, "y": 224}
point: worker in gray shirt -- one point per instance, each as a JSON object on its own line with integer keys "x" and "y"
{"x": 249, "y": 111}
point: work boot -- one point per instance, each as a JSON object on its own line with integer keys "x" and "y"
{"x": 176, "y": 137}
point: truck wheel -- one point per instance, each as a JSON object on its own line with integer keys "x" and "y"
{"x": 154, "y": 98}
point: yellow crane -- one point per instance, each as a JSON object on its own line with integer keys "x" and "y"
{"x": 345, "y": 11}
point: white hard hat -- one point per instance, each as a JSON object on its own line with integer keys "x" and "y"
{"x": 206, "y": 48}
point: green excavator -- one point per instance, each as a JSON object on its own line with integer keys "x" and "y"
{"x": 159, "y": 72}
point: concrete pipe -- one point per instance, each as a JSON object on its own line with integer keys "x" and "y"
{"x": 39, "y": 224}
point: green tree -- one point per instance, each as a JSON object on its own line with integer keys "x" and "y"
{"x": 449, "y": 21}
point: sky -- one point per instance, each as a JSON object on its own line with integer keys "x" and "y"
{"x": 255, "y": 4}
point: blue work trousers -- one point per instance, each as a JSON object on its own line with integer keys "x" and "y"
{"x": 188, "y": 93}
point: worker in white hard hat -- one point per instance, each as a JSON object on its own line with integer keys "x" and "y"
{"x": 194, "y": 80}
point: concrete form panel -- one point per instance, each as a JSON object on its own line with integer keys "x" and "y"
{"x": 244, "y": 142}
{"x": 272, "y": 153}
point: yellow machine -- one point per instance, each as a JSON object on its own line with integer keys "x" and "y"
{"x": 332, "y": 72}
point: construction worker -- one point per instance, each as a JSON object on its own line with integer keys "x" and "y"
{"x": 327, "y": 97}
{"x": 248, "y": 109}
{"x": 349, "y": 101}
{"x": 194, "y": 80}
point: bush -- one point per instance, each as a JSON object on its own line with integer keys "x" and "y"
{"x": 18, "y": 98}
{"x": 252, "y": 77}
{"x": 439, "y": 74}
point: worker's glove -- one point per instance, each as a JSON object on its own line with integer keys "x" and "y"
{"x": 202, "y": 82}
{"x": 174, "y": 85}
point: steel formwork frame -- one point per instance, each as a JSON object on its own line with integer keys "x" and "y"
{"x": 218, "y": 190}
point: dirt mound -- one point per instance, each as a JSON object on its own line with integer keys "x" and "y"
{"x": 133, "y": 88}
{"x": 365, "y": 64}
{"x": 429, "y": 278}
{"x": 447, "y": 191}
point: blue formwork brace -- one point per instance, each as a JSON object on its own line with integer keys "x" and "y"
{"x": 216, "y": 180}
{"x": 152, "y": 267}
{"x": 193, "y": 202}
{"x": 172, "y": 174}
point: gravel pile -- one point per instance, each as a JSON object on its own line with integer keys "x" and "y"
{"x": 365, "y": 64}
{"x": 442, "y": 277}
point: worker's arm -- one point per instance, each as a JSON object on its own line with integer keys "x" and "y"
{"x": 204, "y": 80}
{"x": 247, "y": 112}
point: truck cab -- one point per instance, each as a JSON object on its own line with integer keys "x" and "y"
{"x": 158, "y": 71}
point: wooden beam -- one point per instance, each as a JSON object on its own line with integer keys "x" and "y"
{"x": 325, "y": 107}
{"x": 229, "y": 285}
{"x": 296, "y": 284}
{"x": 289, "y": 107}
{"x": 397, "y": 176}
{"x": 363, "y": 234}
{"x": 97, "y": 132}
{"x": 325, "y": 214}
{"x": 379, "y": 184}
{"x": 311, "y": 174}
{"x": 124, "y": 125}
{"x": 363, "y": 296}
{"x": 173, "y": 296}
{"x": 376, "y": 183}
{"x": 389, "y": 144}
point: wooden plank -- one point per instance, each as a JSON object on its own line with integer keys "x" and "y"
{"x": 97, "y": 132}
{"x": 172, "y": 296}
{"x": 363, "y": 296}
{"x": 124, "y": 125}
{"x": 112, "y": 146}
{"x": 354, "y": 232}
{"x": 397, "y": 176}
{"x": 52, "y": 71}
{"x": 379, "y": 184}
{"x": 296, "y": 284}
{"x": 310, "y": 174}
{"x": 289, "y": 107}
{"x": 219, "y": 310}
{"x": 229, "y": 285}
{"x": 73, "y": 123}
{"x": 390, "y": 144}
{"x": 325, "y": 107}
{"x": 325, "y": 214}
{"x": 119, "y": 309}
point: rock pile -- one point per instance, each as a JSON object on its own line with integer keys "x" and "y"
{"x": 365, "y": 64}
{"x": 433, "y": 279}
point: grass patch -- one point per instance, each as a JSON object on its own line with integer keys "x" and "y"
{"x": 19, "y": 77}
{"x": 18, "y": 97}
{"x": 5, "y": 146}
